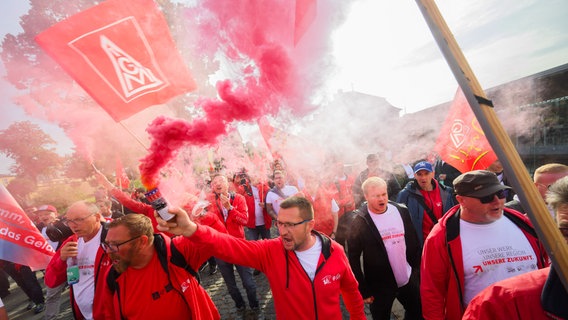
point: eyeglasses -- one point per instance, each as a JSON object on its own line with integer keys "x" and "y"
{"x": 289, "y": 225}
{"x": 114, "y": 247}
{"x": 77, "y": 221}
{"x": 501, "y": 194}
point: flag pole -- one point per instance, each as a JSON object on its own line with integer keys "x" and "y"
{"x": 482, "y": 107}
{"x": 133, "y": 135}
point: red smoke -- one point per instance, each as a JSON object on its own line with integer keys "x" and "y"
{"x": 260, "y": 37}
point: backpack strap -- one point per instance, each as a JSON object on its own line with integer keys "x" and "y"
{"x": 178, "y": 259}
{"x": 278, "y": 192}
{"x": 426, "y": 208}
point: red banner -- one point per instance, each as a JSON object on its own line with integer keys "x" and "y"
{"x": 461, "y": 142}
{"x": 122, "y": 54}
{"x": 20, "y": 241}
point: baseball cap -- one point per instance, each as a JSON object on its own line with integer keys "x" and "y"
{"x": 477, "y": 183}
{"x": 423, "y": 165}
{"x": 46, "y": 207}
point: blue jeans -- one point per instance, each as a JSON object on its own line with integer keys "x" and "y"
{"x": 227, "y": 271}
{"x": 259, "y": 232}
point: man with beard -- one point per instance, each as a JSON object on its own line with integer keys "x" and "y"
{"x": 307, "y": 271}
{"x": 145, "y": 282}
{"x": 85, "y": 221}
{"x": 475, "y": 245}
{"x": 426, "y": 199}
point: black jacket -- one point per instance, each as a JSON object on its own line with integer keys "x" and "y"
{"x": 376, "y": 275}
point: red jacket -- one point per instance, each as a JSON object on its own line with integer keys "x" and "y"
{"x": 198, "y": 301}
{"x": 56, "y": 274}
{"x": 295, "y": 295}
{"x": 237, "y": 217}
{"x": 514, "y": 298}
{"x": 442, "y": 275}
{"x": 343, "y": 194}
{"x": 323, "y": 217}
{"x": 262, "y": 191}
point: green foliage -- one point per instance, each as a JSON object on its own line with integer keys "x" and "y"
{"x": 20, "y": 188}
{"x": 76, "y": 167}
{"x": 62, "y": 194}
{"x": 29, "y": 146}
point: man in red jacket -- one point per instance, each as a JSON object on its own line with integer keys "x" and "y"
{"x": 307, "y": 271}
{"x": 232, "y": 210}
{"x": 146, "y": 282}
{"x": 474, "y": 245}
{"x": 534, "y": 295}
{"x": 85, "y": 221}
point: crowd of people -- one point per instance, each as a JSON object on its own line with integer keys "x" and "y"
{"x": 445, "y": 245}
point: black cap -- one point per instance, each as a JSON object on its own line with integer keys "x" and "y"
{"x": 478, "y": 183}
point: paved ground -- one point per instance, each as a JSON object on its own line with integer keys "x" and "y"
{"x": 16, "y": 302}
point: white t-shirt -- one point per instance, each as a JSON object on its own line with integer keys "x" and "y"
{"x": 391, "y": 228}
{"x": 258, "y": 216}
{"x": 275, "y": 200}
{"x": 309, "y": 258}
{"x": 84, "y": 290}
{"x": 493, "y": 252}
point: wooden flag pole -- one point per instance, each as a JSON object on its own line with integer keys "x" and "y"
{"x": 133, "y": 135}
{"x": 545, "y": 226}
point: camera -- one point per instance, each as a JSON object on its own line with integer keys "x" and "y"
{"x": 242, "y": 178}
{"x": 57, "y": 231}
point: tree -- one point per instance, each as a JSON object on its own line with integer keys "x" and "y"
{"x": 30, "y": 148}
{"x": 76, "y": 167}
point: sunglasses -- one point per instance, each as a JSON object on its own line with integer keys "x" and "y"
{"x": 501, "y": 194}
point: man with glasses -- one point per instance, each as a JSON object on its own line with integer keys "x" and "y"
{"x": 86, "y": 222}
{"x": 474, "y": 245}
{"x": 145, "y": 282}
{"x": 307, "y": 271}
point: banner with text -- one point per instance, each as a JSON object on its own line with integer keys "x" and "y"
{"x": 20, "y": 240}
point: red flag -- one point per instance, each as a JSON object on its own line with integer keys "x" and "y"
{"x": 20, "y": 240}
{"x": 121, "y": 178}
{"x": 305, "y": 14}
{"x": 122, "y": 54}
{"x": 461, "y": 142}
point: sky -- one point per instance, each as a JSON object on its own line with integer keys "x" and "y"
{"x": 385, "y": 48}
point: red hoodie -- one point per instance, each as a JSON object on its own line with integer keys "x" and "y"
{"x": 295, "y": 295}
